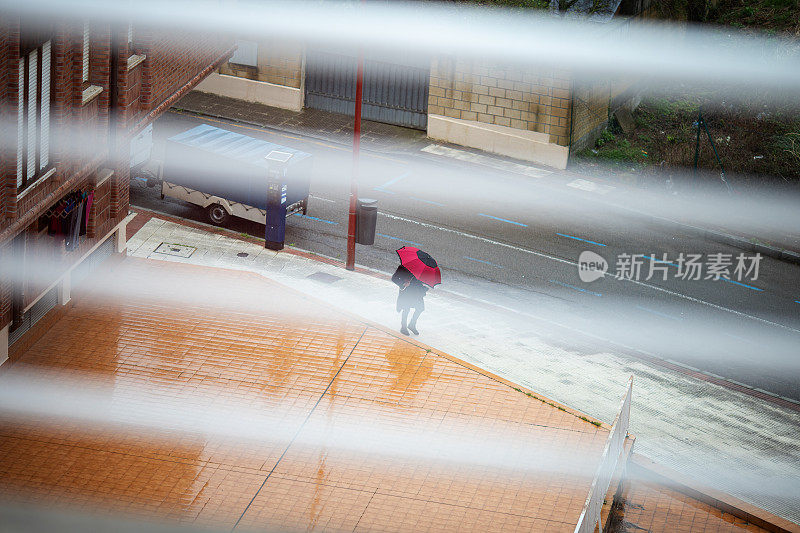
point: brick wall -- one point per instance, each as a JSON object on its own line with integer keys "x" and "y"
{"x": 174, "y": 58}
{"x": 504, "y": 95}
{"x": 279, "y": 62}
{"x": 9, "y": 44}
{"x": 80, "y": 131}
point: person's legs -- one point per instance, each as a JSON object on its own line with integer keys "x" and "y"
{"x": 413, "y": 324}
{"x": 403, "y": 317}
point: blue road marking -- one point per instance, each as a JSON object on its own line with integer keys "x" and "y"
{"x": 573, "y": 287}
{"x": 579, "y": 239}
{"x": 665, "y": 315}
{"x": 301, "y": 215}
{"x": 392, "y": 182}
{"x": 482, "y": 261}
{"x": 396, "y": 239}
{"x": 740, "y": 284}
{"x": 382, "y": 190}
{"x": 503, "y": 220}
{"x": 426, "y": 201}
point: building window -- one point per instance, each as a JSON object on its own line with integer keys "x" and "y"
{"x": 33, "y": 116}
{"x": 85, "y": 72}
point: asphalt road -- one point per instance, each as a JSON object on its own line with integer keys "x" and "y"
{"x": 514, "y": 240}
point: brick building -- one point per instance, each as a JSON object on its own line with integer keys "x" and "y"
{"x": 76, "y": 93}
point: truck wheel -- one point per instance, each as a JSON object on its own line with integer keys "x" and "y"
{"x": 217, "y": 214}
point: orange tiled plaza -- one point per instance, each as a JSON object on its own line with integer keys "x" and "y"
{"x": 368, "y": 431}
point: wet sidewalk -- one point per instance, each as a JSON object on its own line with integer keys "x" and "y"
{"x": 697, "y": 428}
{"x": 367, "y": 430}
{"x": 372, "y": 432}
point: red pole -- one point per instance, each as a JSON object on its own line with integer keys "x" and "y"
{"x": 351, "y": 224}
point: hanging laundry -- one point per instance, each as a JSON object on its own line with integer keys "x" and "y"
{"x": 68, "y": 219}
{"x": 85, "y": 222}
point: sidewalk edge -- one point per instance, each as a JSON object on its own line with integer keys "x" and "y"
{"x": 715, "y": 498}
{"x": 742, "y": 243}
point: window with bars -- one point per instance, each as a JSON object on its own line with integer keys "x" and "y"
{"x": 33, "y": 115}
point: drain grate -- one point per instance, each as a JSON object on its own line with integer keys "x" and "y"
{"x": 323, "y": 277}
{"x": 178, "y": 250}
{"x": 242, "y": 254}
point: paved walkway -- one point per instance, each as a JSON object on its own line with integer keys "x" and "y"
{"x": 359, "y": 429}
{"x": 255, "y": 407}
{"x": 735, "y": 443}
{"x": 309, "y": 122}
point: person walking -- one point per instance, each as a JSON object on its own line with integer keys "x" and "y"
{"x": 411, "y": 295}
{"x": 417, "y": 272}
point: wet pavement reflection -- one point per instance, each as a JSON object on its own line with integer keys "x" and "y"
{"x": 354, "y": 406}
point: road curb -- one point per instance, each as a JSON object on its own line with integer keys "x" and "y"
{"x": 781, "y": 254}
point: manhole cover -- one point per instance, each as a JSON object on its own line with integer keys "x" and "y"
{"x": 323, "y": 277}
{"x": 178, "y": 250}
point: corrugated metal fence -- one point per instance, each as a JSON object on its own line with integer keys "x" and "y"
{"x": 393, "y": 93}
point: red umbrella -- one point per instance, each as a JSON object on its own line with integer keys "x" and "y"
{"x": 421, "y": 265}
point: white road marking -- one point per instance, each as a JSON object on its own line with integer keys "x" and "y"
{"x": 590, "y": 186}
{"x": 575, "y": 264}
{"x": 321, "y": 198}
{"x": 462, "y": 155}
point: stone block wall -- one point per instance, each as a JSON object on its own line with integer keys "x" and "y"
{"x": 280, "y": 63}
{"x": 503, "y": 95}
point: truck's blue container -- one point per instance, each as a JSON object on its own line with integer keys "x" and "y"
{"x": 232, "y": 166}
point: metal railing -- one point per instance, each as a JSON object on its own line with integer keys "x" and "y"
{"x": 590, "y": 516}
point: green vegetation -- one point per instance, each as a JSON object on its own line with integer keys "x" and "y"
{"x": 511, "y": 4}
{"x": 754, "y": 137}
{"x": 526, "y": 4}
{"x": 551, "y": 404}
{"x": 770, "y": 16}
{"x": 590, "y": 421}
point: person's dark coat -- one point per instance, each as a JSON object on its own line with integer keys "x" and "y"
{"x": 413, "y": 294}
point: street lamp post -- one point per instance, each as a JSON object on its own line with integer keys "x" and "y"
{"x": 351, "y": 224}
{"x": 350, "y": 264}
